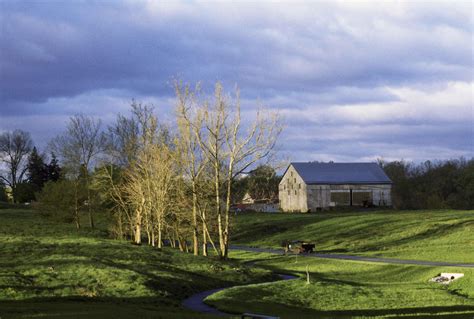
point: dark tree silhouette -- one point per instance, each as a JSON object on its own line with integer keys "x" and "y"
{"x": 14, "y": 149}
{"x": 36, "y": 170}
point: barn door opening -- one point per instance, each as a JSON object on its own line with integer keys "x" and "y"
{"x": 362, "y": 198}
{"x": 341, "y": 198}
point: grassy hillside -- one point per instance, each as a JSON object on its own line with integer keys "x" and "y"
{"x": 441, "y": 235}
{"x": 52, "y": 270}
{"x": 347, "y": 289}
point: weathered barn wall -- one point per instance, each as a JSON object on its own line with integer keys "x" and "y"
{"x": 292, "y": 192}
{"x": 319, "y": 196}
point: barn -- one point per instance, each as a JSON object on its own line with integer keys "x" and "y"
{"x": 312, "y": 186}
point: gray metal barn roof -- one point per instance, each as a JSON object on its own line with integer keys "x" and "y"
{"x": 341, "y": 173}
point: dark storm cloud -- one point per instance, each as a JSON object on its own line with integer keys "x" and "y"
{"x": 336, "y": 63}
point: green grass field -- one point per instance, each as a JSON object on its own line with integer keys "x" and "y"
{"x": 443, "y": 235}
{"x": 49, "y": 269}
{"x": 341, "y": 289}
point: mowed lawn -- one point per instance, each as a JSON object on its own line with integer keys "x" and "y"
{"x": 439, "y": 235}
{"x": 340, "y": 289}
{"x": 51, "y": 270}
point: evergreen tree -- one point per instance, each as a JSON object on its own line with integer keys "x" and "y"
{"x": 36, "y": 170}
{"x": 53, "y": 170}
{"x": 38, "y": 173}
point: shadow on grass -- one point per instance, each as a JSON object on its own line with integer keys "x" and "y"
{"x": 306, "y": 313}
{"x": 301, "y": 274}
{"x": 433, "y": 232}
{"x": 369, "y": 225}
{"x": 162, "y": 272}
{"x": 80, "y": 307}
{"x": 77, "y": 307}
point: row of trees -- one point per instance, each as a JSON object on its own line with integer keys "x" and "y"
{"x": 178, "y": 183}
{"x": 440, "y": 184}
{"x": 162, "y": 181}
{"x": 260, "y": 184}
{"x": 25, "y": 170}
{"x": 14, "y": 149}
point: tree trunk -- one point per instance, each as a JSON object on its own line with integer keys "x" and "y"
{"x": 209, "y": 239}
{"x": 13, "y": 185}
{"x": 212, "y": 242}
{"x": 91, "y": 219}
{"x": 76, "y": 217}
{"x": 219, "y": 214}
{"x": 153, "y": 237}
{"x": 195, "y": 225}
{"x": 160, "y": 242}
{"x": 120, "y": 226}
{"x": 180, "y": 240}
{"x": 89, "y": 207}
{"x": 138, "y": 235}
{"x": 76, "y": 209}
{"x": 173, "y": 241}
{"x": 186, "y": 246}
{"x": 204, "y": 239}
{"x": 138, "y": 227}
{"x": 227, "y": 210}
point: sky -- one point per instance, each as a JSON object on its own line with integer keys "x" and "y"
{"x": 353, "y": 81}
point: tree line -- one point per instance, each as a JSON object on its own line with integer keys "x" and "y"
{"x": 176, "y": 181}
{"x": 432, "y": 184}
{"x": 25, "y": 169}
{"x": 159, "y": 181}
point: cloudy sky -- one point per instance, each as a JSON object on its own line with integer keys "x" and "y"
{"x": 355, "y": 81}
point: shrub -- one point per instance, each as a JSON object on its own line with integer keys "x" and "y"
{"x": 61, "y": 200}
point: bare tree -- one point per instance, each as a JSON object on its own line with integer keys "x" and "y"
{"x": 81, "y": 143}
{"x": 159, "y": 177}
{"x": 246, "y": 147}
{"x": 231, "y": 147}
{"x": 122, "y": 140}
{"x": 135, "y": 196}
{"x": 128, "y": 135}
{"x": 125, "y": 139}
{"x": 206, "y": 210}
{"x": 107, "y": 181}
{"x": 148, "y": 185}
{"x": 192, "y": 160}
{"x": 179, "y": 186}
{"x": 14, "y": 150}
{"x": 141, "y": 147}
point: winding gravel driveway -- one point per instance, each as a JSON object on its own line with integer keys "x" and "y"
{"x": 357, "y": 258}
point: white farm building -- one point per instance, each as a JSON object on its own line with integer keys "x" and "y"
{"x": 311, "y": 186}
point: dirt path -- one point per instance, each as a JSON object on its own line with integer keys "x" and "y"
{"x": 358, "y": 258}
{"x": 196, "y": 301}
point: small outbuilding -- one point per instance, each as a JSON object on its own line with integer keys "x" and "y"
{"x": 312, "y": 186}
